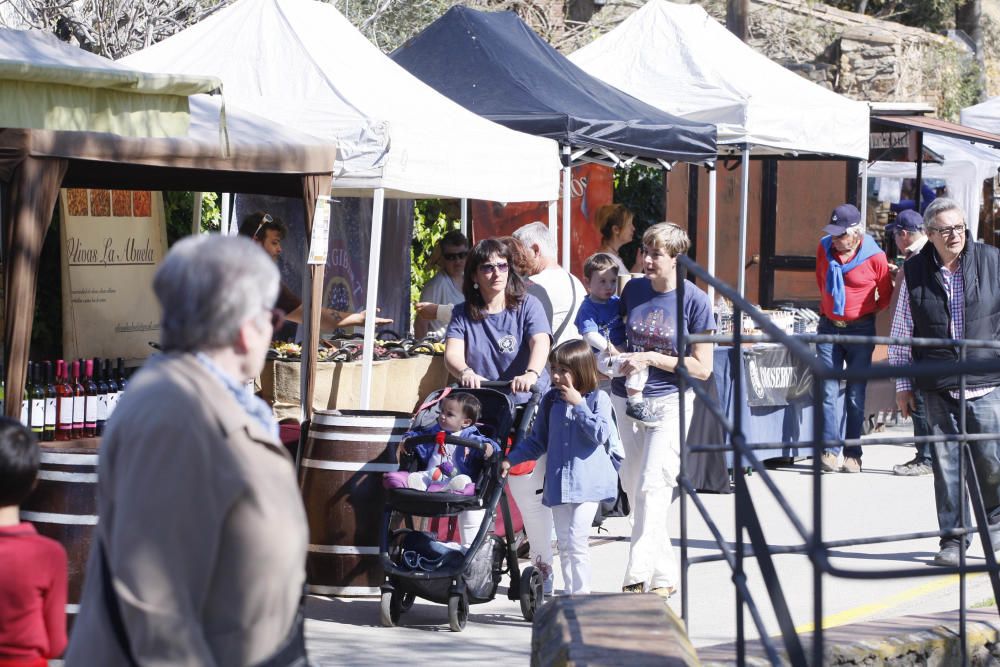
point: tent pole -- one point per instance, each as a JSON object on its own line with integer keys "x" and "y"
{"x": 711, "y": 229}
{"x": 371, "y": 299}
{"x": 864, "y": 192}
{"x": 465, "y": 217}
{"x": 741, "y": 277}
{"x": 553, "y": 216}
{"x": 567, "y": 189}
{"x": 920, "y": 171}
{"x": 225, "y": 227}
{"x": 196, "y": 213}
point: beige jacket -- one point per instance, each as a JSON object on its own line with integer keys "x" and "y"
{"x": 203, "y": 525}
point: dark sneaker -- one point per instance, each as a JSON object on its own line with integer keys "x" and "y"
{"x": 948, "y": 556}
{"x": 918, "y": 466}
{"x": 639, "y": 411}
{"x": 633, "y": 588}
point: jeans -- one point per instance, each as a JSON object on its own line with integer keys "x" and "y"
{"x": 649, "y": 477}
{"x": 982, "y": 415}
{"x": 920, "y": 425}
{"x": 836, "y": 356}
{"x": 573, "y": 524}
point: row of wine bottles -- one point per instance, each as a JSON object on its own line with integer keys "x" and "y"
{"x": 69, "y": 400}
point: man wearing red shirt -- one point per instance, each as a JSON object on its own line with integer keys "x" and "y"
{"x": 852, "y": 273}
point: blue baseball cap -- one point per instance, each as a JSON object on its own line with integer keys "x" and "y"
{"x": 843, "y": 218}
{"x": 908, "y": 220}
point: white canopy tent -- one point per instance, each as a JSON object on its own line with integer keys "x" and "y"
{"x": 301, "y": 63}
{"x": 964, "y": 167}
{"x": 983, "y": 116}
{"x": 680, "y": 59}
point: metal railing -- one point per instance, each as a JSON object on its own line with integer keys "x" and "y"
{"x": 749, "y": 523}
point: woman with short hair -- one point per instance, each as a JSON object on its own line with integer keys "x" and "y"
{"x": 652, "y": 447}
{"x": 199, "y": 557}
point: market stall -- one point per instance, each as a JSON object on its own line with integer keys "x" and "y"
{"x": 301, "y": 63}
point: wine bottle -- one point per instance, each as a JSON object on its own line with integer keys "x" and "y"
{"x": 90, "y": 400}
{"x": 37, "y": 397}
{"x": 102, "y": 395}
{"x": 79, "y": 401}
{"x": 51, "y": 400}
{"x": 113, "y": 392}
{"x": 64, "y": 406}
{"x": 26, "y": 399}
{"x": 121, "y": 374}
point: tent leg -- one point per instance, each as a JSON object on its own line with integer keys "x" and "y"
{"x": 553, "y": 216}
{"x": 374, "y": 254}
{"x": 465, "y": 217}
{"x": 567, "y": 199}
{"x": 864, "y": 191}
{"x": 741, "y": 272}
{"x": 225, "y": 227}
{"x": 196, "y": 213}
{"x": 711, "y": 229}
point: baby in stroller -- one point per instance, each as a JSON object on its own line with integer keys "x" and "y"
{"x": 445, "y": 467}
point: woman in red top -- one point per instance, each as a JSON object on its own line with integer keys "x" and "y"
{"x": 33, "y": 576}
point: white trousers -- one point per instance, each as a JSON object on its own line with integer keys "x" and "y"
{"x": 469, "y": 522}
{"x": 649, "y": 477}
{"x": 573, "y": 524}
{"x": 527, "y": 493}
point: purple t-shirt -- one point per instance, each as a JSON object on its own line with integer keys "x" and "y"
{"x": 651, "y": 326}
{"x": 496, "y": 347}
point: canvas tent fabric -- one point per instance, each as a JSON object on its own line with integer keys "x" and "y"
{"x": 265, "y": 158}
{"x": 48, "y": 84}
{"x": 983, "y": 116}
{"x": 679, "y": 59}
{"x": 964, "y": 167}
{"x": 492, "y": 63}
{"x": 301, "y": 63}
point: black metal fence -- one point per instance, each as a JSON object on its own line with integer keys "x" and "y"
{"x": 748, "y": 522}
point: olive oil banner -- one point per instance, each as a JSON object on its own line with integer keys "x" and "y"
{"x": 111, "y": 243}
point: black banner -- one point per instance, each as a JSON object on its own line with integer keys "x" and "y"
{"x": 773, "y": 377}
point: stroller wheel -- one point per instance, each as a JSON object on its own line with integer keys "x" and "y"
{"x": 406, "y": 601}
{"x": 458, "y": 612}
{"x": 532, "y": 592}
{"x": 391, "y": 608}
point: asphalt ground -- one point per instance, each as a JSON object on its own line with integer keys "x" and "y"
{"x": 347, "y": 631}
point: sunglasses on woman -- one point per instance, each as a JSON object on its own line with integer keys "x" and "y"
{"x": 499, "y": 267}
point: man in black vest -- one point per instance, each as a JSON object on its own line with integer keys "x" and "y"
{"x": 951, "y": 290}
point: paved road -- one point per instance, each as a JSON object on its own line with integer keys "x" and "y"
{"x": 346, "y": 631}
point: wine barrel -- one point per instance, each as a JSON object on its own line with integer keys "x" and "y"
{"x": 64, "y": 506}
{"x": 344, "y": 458}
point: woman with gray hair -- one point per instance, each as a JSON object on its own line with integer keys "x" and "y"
{"x": 199, "y": 555}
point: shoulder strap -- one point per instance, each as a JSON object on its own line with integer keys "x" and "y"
{"x": 569, "y": 313}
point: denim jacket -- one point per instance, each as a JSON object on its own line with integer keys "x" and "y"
{"x": 578, "y": 468}
{"x": 467, "y": 461}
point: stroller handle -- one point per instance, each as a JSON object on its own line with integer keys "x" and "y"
{"x": 500, "y": 384}
{"x": 451, "y": 440}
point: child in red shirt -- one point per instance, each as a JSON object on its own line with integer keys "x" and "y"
{"x": 32, "y": 567}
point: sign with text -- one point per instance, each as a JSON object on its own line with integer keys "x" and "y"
{"x": 111, "y": 244}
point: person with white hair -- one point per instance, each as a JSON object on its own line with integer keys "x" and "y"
{"x": 199, "y": 557}
{"x": 560, "y": 292}
{"x": 854, "y": 281}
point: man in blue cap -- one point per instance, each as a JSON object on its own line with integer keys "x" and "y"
{"x": 908, "y": 232}
{"x": 854, "y": 283}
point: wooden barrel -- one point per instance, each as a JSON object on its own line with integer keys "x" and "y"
{"x": 345, "y": 455}
{"x": 64, "y": 506}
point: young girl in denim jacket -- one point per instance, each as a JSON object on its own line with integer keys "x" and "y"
{"x": 576, "y": 428}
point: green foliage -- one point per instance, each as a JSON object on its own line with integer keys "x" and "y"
{"x": 431, "y": 221}
{"x": 388, "y": 23}
{"x": 178, "y": 208}
{"x": 642, "y": 190}
{"x": 959, "y": 74}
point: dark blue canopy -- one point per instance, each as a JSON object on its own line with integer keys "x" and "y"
{"x": 493, "y": 64}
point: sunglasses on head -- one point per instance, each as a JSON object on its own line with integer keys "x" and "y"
{"x": 266, "y": 220}
{"x": 452, "y": 256}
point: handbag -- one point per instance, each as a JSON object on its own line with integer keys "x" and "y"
{"x": 290, "y": 653}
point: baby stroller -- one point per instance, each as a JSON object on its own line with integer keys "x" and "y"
{"x": 418, "y": 565}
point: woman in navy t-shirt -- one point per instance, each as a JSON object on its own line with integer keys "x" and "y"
{"x": 652, "y": 447}
{"x": 502, "y": 333}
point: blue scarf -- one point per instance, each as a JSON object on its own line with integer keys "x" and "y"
{"x": 836, "y": 271}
